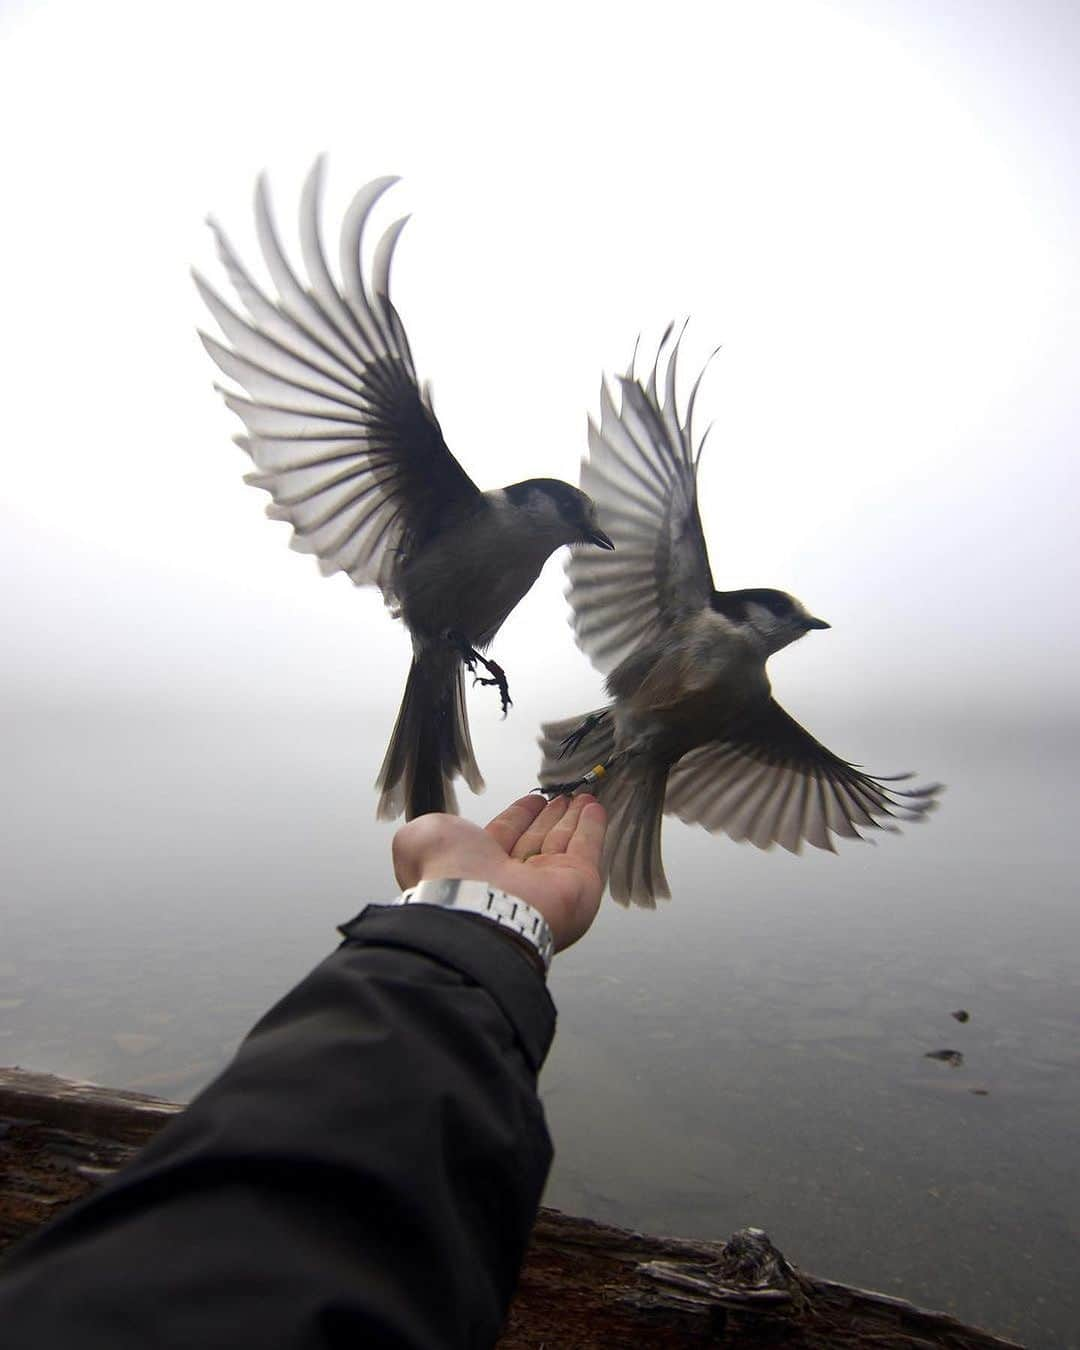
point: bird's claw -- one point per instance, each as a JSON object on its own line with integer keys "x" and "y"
{"x": 498, "y": 679}
{"x": 496, "y": 676}
{"x": 571, "y": 742}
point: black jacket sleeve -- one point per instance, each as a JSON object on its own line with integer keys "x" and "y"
{"x": 365, "y": 1173}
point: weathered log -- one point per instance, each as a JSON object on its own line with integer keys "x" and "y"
{"x": 584, "y": 1285}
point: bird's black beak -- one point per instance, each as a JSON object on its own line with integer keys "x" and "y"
{"x": 599, "y": 538}
{"x": 811, "y": 622}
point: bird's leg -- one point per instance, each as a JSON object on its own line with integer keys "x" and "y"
{"x": 471, "y": 656}
{"x": 571, "y": 743}
{"x": 587, "y": 780}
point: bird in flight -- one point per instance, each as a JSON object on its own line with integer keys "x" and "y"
{"x": 693, "y": 729}
{"x": 346, "y": 442}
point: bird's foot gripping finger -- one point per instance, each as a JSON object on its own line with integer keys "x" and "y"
{"x": 571, "y": 743}
{"x": 587, "y": 780}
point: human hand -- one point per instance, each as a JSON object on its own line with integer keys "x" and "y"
{"x": 545, "y": 853}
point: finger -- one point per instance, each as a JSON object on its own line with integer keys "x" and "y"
{"x": 562, "y": 831}
{"x": 509, "y": 825}
{"x": 587, "y": 844}
{"x": 533, "y": 838}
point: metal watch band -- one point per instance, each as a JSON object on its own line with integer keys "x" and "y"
{"x": 477, "y": 897}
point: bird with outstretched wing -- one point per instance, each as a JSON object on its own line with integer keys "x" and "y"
{"x": 693, "y": 729}
{"x": 346, "y": 442}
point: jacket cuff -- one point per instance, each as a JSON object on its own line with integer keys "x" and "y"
{"x": 473, "y": 946}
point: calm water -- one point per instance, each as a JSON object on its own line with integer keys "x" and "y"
{"x": 754, "y": 1053}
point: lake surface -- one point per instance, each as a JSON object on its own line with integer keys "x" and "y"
{"x": 752, "y": 1053}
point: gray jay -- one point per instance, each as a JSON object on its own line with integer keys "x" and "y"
{"x": 346, "y": 442}
{"x": 693, "y": 728}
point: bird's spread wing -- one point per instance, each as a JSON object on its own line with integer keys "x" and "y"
{"x": 641, "y": 472}
{"x": 768, "y": 781}
{"x": 343, "y": 437}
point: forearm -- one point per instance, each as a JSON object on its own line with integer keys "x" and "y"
{"x": 367, "y": 1170}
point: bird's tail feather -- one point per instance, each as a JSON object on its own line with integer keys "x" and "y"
{"x": 430, "y": 745}
{"x": 633, "y": 795}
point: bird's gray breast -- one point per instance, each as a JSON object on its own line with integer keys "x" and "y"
{"x": 686, "y": 686}
{"x": 468, "y": 579}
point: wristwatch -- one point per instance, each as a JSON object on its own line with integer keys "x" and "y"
{"x": 477, "y": 897}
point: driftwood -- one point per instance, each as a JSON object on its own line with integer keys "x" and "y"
{"x": 584, "y": 1284}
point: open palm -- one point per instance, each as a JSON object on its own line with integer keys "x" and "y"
{"x": 545, "y": 853}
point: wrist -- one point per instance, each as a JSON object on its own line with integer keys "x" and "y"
{"x": 504, "y": 875}
{"x": 507, "y": 913}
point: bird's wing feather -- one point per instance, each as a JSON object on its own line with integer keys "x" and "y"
{"x": 641, "y": 472}
{"x": 343, "y": 438}
{"x": 768, "y": 781}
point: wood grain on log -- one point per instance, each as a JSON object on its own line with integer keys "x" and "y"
{"x": 585, "y": 1285}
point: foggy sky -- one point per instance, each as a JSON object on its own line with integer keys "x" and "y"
{"x": 871, "y": 207}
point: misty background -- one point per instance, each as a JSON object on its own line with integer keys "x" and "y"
{"x": 873, "y": 208}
